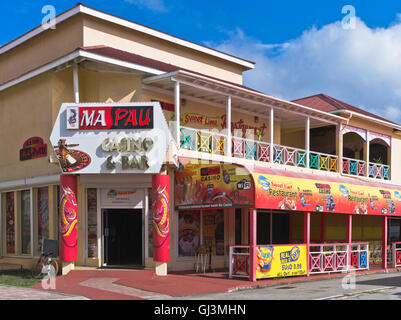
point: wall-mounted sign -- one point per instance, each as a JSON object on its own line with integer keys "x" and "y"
{"x": 200, "y": 119}
{"x": 278, "y": 261}
{"x": 212, "y": 186}
{"x": 33, "y": 148}
{"x": 111, "y": 138}
{"x": 108, "y": 118}
{"x": 166, "y": 105}
{"x": 241, "y": 125}
{"x": 132, "y": 198}
{"x": 291, "y": 192}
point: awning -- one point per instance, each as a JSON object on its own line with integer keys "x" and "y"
{"x": 201, "y": 185}
{"x": 276, "y": 189}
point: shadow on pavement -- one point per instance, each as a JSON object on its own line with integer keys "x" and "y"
{"x": 383, "y": 282}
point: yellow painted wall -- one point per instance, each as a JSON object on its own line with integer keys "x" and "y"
{"x": 336, "y": 227}
{"x": 97, "y": 32}
{"x": 42, "y": 49}
{"x": 25, "y": 112}
{"x": 293, "y": 138}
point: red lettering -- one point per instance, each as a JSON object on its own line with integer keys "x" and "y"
{"x": 131, "y": 118}
{"x": 118, "y": 117}
{"x": 146, "y": 121}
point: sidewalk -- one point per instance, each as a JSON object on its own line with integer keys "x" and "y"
{"x": 145, "y": 285}
{"x": 19, "y": 293}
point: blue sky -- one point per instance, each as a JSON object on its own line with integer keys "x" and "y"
{"x": 300, "y": 47}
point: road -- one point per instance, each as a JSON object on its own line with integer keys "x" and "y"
{"x": 382, "y": 286}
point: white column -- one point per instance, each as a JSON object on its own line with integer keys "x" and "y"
{"x": 307, "y": 140}
{"x": 229, "y": 142}
{"x": 367, "y": 156}
{"x": 76, "y": 82}
{"x": 271, "y": 133}
{"x": 177, "y": 111}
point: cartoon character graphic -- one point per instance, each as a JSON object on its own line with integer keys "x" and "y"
{"x": 397, "y": 195}
{"x": 372, "y": 203}
{"x": 188, "y": 237}
{"x": 264, "y": 258}
{"x": 344, "y": 191}
{"x": 264, "y": 183}
{"x": 226, "y": 176}
{"x": 361, "y": 209}
{"x": 287, "y": 204}
{"x": 330, "y": 204}
{"x": 391, "y": 206}
{"x": 302, "y": 198}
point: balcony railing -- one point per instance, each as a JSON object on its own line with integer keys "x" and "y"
{"x": 356, "y": 167}
{"x": 379, "y": 171}
{"x": 216, "y": 143}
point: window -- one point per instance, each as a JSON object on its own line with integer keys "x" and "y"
{"x": 188, "y": 233}
{"x": 194, "y": 227}
{"x": 92, "y": 222}
{"x": 43, "y": 215}
{"x": 213, "y": 231}
{"x": 10, "y": 223}
{"x": 26, "y": 212}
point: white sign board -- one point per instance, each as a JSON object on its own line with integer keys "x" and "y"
{"x": 132, "y": 198}
{"x": 111, "y": 138}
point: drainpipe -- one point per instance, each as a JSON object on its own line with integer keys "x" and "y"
{"x": 76, "y": 82}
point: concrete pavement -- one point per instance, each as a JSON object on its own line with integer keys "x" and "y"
{"x": 145, "y": 285}
{"x": 20, "y": 293}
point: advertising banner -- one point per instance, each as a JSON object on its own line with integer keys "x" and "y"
{"x": 214, "y": 185}
{"x": 285, "y": 192}
{"x": 277, "y": 261}
{"x": 161, "y": 217}
{"x": 68, "y": 218}
{"x": 111, "y": 138}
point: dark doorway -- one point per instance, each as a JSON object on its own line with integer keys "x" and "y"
{"x": 394, "y": 230}
{"x": 281, "y": 228}
{"x": 263, "y": 228}
{"x": 122, "y": 231}
{"x": 238, "y": 226}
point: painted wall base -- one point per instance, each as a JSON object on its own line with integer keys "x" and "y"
{"x": 66, "y": 267}
{"x": 161, "y": 268}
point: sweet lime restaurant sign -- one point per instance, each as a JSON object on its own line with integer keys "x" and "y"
{"x": 200, "y": 119}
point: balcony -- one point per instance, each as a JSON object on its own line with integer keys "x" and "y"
{"x": 216, "y": 143}
{"x": 292, "y": 135}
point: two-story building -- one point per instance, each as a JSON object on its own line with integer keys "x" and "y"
{"x": 254, "y": 183}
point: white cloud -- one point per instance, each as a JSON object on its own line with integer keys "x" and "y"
{"x": 153, "y": 5}
{"x": 360, "y": 66}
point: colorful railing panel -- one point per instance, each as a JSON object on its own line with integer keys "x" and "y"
{"x": 379, "y": 171}
{"x": 328, "y": 258}
{"x": 354, "y": 167}
{"x": 239, "y": 262}
{"x": 203, "y": 141}
{"x": 216, "y": 143}
{"x": 359, "y": 255}
{"x": 396, "y": 254}
{"x": 323, "y": 161}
